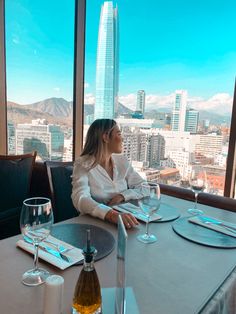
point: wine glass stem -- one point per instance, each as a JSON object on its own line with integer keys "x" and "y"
{"x": 36, "y": 255}
{"x": 147, "y": 227}
{"x": 196, "y": 196}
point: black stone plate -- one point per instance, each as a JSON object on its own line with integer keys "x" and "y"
{"x": 167, "y": 212}
{"x": 202, "y": 235}
{"x": 75, "y": 234}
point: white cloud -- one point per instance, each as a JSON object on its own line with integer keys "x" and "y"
{"x": 89, "y": 99}
{"x": 129, "y": 100}
{"x": 56, "y": 89}
{"x": 86, "y": 85}
{"x": 221, "y": 102}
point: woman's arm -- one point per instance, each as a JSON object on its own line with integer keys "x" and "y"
{"x": 81, "y": 196}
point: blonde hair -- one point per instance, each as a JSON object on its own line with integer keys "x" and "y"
{"x": 94, "y": 144}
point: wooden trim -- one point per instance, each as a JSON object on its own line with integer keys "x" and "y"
{"x": 230, "y": 176}
{"x": 78, "y": 99}
{"x": 3, "y": 96}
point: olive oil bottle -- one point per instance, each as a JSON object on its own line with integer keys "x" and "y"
{"x": 87, "y": 295}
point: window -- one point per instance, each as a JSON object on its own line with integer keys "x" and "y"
{"x": 39, "y": 67}
{"x": 166, "y": 73}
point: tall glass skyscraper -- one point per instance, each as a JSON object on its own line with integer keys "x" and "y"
{"x": 140, "y": 106}
{"x": 107, "y": 70}
{"x": 179, "y": 111}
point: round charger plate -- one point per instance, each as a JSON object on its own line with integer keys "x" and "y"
{"x": 202, "y": 235}
{"x": 75, "y": 234}
{"x": 167, "y": 212}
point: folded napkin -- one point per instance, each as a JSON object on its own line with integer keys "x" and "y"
{"x": 74, "y": 254}
{"x": 135, "y": 211}
{"x": 214, "y": 224}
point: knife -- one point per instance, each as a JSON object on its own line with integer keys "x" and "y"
{"x": 53, "y": 252}
{"x": 217, "y": 222}
{"x": 49, "y": 250}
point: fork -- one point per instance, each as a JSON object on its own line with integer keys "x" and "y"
{"x": 59, "y": 247}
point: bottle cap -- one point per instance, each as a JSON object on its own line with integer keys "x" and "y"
{"x": 53, "y": 295}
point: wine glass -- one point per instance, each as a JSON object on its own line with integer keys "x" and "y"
{"x": 197, "y": 181}
{"x": 149, "y": 204}
{"x": 35, "y": 222}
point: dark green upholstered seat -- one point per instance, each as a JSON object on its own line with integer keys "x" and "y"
{"x": 15, "y": 178}
{"x": 59, "y": 175}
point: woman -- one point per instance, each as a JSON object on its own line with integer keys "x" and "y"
{"x": 100, "y": 179}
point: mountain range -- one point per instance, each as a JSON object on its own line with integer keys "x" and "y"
{"x": 59, "y": 111}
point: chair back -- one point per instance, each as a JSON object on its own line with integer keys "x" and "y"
{"x": 15, "y": 179}
{"x": 60, "y": 182}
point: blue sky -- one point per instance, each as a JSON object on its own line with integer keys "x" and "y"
{"x": 164, "y": 46}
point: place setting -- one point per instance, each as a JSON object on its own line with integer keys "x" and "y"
{"x": 59, "y": 245}
{"x": 165, "y": 212}
{"x": 201, "y": 228}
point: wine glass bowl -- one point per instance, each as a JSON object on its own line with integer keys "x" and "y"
{"x": 35, "y": 222}
{"x": 197, "y": 182}
{"x": 149, "y": 204}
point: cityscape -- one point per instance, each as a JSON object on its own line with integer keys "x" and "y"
{"x": 161, "y": 143}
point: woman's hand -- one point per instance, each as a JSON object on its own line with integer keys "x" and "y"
{"x": 128, "y": 219}
{"x": 117, "y": 199}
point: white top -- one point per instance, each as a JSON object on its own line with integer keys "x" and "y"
{"x": 93, "y": 188}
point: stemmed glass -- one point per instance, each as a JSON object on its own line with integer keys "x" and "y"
{"x": 149, "y": 204}
{"x": 197, "y": 181}
{"x": 35, "y": 222}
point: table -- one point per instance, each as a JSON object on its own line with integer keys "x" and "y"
{"x": 172, "y": 276}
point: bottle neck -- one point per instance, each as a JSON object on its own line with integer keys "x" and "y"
{"x": 88, "y": 266}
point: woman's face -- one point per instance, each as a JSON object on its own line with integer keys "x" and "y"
{"x": 114, "y": 144}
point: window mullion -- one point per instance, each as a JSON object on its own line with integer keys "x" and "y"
{"x": 230, "y": 176}
{"x": 3, "y": 101}
{"x": 78, "y": 99}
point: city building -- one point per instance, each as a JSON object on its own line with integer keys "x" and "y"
{"x": 11, "y": 138}
{"x": 169, "y": 176}
{"x": 210, "y": 145}
{"x": 179, "y": 111}
{"x": 155, "y": 149}
{"x": 140, "y": 106}
{"x": 46, "y": 139}
{"x": 134, "y": 144}
{"x": 191, "y": 121}
{"x": 107, "y": 68}
{"x": 140, "y": 123}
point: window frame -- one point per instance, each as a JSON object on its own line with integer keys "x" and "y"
{"x": 230, "y": 175}
{"x": 78, "y": 96}
{"x": 3, "y": 95}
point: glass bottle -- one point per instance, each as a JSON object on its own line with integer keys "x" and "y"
{"x": 87, "y": 297}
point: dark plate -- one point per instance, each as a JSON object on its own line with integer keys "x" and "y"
{"x": 202, "y": 235}
{"x": 75, "y": 234}
{"x": 167, "y": 212}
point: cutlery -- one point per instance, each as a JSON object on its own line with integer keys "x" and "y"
{"x": 209, "y": 220}
{"x": 49, "y": 250}
{"x": 59, "y": 247}
{"x": 136, "y": 213}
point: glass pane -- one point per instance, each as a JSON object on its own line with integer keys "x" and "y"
{"x": 165, "y": 71}
{"x": 39, "y": 65}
